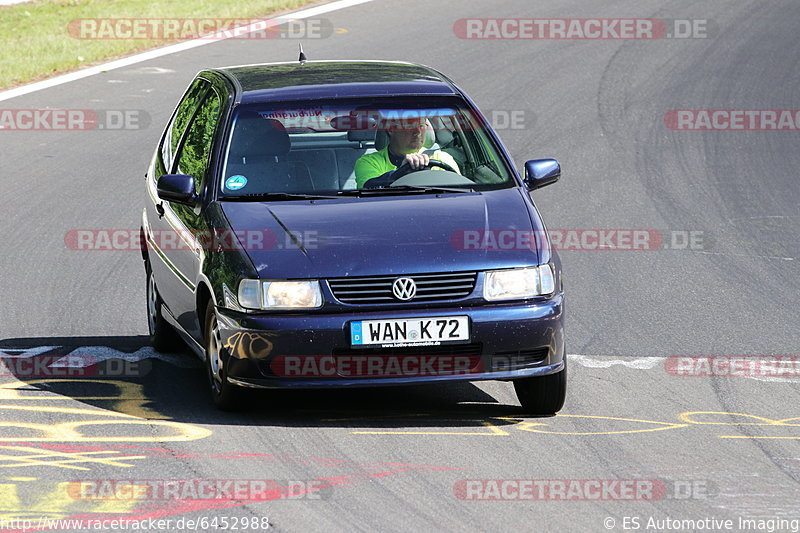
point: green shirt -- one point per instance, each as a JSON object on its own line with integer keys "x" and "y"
{"x": 377, "y": 164}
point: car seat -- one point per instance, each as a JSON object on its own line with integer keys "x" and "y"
{"x": 259, "y": 150}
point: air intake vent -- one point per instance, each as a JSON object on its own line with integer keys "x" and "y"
{"x": 513, "y": 360}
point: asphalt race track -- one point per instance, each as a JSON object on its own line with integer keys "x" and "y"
{"x": 644, "y": 436}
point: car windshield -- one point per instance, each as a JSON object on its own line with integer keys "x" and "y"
{"x": 287, "y": 151}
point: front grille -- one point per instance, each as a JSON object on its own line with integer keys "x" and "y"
{"x": 378, "y": 289}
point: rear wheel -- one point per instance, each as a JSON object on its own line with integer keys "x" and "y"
{"x": 225, "y": 395}
{"x": 162, "y": 337}
{"x": 543, "y": 395}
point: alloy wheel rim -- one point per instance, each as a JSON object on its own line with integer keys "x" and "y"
{"x": 151, "y": 304}
{"x": 214, "y": 361}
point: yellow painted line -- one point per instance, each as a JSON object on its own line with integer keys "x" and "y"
{"x": 494, "y": 431}
{"x": 60, "y": 464}
{"x": 61, "y": 459}
{"x": 130, "y": 398}
{"x": 58, "y": 396}
{"x": 379, "y": 417}
{"x": 534, "y": 426}
{"x": 689, "y": 418}
{"x": 56, "y": 503}
{"x": 186, "y": 432}
{"x": 9, "y": 498}
{"x": 69, "y": 431}
{"x": 530, "y": 426}
{"x": 52, "y": 431}
{"x": 65, "y": 410}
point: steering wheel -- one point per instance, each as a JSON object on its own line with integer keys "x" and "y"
{"x": 405, "y": 168}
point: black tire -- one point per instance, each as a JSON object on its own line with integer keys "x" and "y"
{"x": 163, "y": 338}
{"x": 225, "y": 395}
{"x": 543, "y": 395}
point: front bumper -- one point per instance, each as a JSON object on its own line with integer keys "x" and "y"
{"x": 508, "y": 341}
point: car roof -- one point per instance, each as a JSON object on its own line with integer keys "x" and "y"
{"x": 312, "y": 80}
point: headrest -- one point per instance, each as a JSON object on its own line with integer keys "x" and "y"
{"x": 253, "y": 135}
{"x": 382, "y": 137}
{"x": 359, "y": 128}
{"x": 443, "y": 135}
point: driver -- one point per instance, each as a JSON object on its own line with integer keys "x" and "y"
{"x": 406, "y": 139}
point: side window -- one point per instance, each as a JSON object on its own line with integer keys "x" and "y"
{"x": 485, "y": 162}
{"x": 194, "y": 153}
{"x": 182, "y": 116}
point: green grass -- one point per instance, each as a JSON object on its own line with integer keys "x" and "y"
{"x": 35, "y": 41}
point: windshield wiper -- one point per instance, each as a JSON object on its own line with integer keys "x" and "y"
{"x": 266, "y": 196}
{"x": 400, "y": 189}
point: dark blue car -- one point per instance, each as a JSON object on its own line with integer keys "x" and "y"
{"x": 349, "y": 224}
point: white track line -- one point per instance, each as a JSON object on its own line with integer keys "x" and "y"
{"x": 91, "y": 355}
{"x": 174, "y": 48}
{"x": 606, "y": 361}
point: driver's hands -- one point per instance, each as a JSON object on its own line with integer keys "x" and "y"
{"x": 417, "y": 161}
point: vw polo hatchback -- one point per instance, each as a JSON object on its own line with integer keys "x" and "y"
{"x": 349, "y": 224}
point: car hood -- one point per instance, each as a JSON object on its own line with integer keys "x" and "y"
{"x": 382, "y": 235}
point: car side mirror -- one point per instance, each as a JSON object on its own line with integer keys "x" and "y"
{"x": 541, "y": 172}
{"x": 177, "y": 188}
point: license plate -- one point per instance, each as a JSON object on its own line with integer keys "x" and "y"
{"x": 410, "y": 331}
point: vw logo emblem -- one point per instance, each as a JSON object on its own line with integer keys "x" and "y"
{"x": 404, "y": 288}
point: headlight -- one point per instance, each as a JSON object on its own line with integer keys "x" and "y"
{"x": 257, "y": 294}
{"x": 519, "y": 283}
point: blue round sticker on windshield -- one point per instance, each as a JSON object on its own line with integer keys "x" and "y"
{"x": 234, "y": 183}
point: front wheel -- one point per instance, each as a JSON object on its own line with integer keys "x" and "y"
{"x": 543, "y": 395}
{"x": 224, "y": 394}
{"x": 162, "y": 337}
